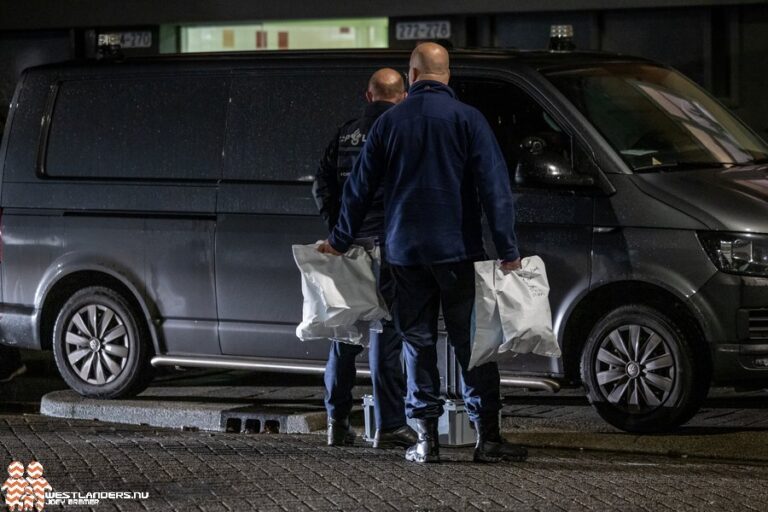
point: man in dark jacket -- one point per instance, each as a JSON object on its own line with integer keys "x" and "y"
{"x": 438, "y": 161}
{"x": 385, "y": 89}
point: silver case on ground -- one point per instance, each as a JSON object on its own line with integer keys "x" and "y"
{"x": 454, "y": 426}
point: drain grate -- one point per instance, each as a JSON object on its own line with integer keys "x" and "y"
{"x": 232, "y": 425}
{"x": 252, "y": 426}
{"x": 252, "y": 423}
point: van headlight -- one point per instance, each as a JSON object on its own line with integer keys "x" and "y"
{"x": 737, "y": 253}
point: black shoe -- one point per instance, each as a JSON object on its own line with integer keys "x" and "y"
{"x": 8, "y": 374}
{"x": 491, "y": 447}
{"x": 393, "y": 438}
{"x": 427, "y": 447}
{"x": 340, "y": 433}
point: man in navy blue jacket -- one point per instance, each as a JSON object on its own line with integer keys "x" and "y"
{"x": 438, "y": 162}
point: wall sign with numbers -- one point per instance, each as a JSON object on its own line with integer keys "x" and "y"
{"x": 414, "y": 30}
{"x": 138, "y": 39}
{"x": 141, "y": 39}
{"x": 131, "y": 41}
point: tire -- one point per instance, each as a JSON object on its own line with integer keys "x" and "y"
{"x": 110, "y": 359}
{"x": 658, "y": 390}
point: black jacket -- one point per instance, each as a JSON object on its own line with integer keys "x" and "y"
{"x": 337, "y": 163}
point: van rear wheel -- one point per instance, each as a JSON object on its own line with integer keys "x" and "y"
{"x": 101, "y": 345}
{"x": 642, "y": 372}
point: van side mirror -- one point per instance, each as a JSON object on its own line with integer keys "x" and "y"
{"x": 539, "y": 165}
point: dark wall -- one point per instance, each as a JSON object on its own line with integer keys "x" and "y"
{"x": 751, "y": 63}
{"x": 723, "y": 48}
{"x": 37, "y": 14}
{"x": 531, "y": 30}
{"x": 680, "y": 37}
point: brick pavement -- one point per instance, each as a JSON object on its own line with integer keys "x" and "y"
{"x": 189, "y": 471}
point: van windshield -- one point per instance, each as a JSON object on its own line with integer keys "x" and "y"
{"x": 657, "y": 119}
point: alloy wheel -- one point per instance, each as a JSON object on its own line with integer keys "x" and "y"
{"x": 635, "y": 368}
{"x": 97, "y": 344}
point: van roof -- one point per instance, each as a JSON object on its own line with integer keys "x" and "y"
{"x": 537, "y": 59}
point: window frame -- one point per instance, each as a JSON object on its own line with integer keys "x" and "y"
{"x": 41, "y": 167}
{"x": 312, "y": 69}
{"x": 577, "y": 140}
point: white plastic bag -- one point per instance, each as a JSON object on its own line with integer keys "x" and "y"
{"x": 341, "y": 296}
{"x": 512, "y": 312}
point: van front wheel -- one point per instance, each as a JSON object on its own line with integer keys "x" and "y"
{"x": 101, "y": 345}
{"x": 641, "y": 371}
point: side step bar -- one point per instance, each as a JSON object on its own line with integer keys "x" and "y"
{"x": 537, "y": 383}
{"x": 240, "y": 363}
{"x": 293, "y": 366}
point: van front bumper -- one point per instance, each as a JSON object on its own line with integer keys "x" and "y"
{"x": 740, "y": 364}
{"x": 733, "y": 312}
{"x": 18, "y": 327}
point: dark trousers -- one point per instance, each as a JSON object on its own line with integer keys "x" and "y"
{"x": 385, "y": 365}
{"x": 421, "y": 291}
{"x": 386, "y": 373}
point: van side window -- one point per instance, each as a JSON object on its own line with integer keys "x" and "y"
{"x": 138, "y": 128}
{"x": 517, "y": 120}
{"x": 280, "y": 123}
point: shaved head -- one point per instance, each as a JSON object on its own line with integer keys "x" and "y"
{"x": 429, "y": 61}
{"x": 386, "y": 84}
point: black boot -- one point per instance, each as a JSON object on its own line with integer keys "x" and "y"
{"x": 396, "y": 437}
{"x": 339, "y": 433}
{"x": 491, "y": 447}
{"x": 427, "y": 448}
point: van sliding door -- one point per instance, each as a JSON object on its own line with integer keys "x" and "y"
{"x": 279, "y": 123}
{"x": 130, "y": 173}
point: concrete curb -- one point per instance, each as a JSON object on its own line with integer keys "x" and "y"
{"x": 195, "y": 415}
{"x": 718, "y": 433}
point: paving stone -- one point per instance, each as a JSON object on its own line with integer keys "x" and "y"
{"x": 199, "y": 471}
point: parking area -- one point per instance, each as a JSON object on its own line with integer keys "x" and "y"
{"x": 578, "y": 462}
{"x": 217, "y": 471}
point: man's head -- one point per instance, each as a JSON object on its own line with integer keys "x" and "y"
{"x": 429, "y": 61}
{"x": 386, "y": 84}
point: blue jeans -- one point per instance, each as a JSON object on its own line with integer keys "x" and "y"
{"x": 385, "y": 365}
{"x": 386, "y": 373}
{"x": 421, "y": 291}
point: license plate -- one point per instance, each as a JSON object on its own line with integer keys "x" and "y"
{"x": 410, "y": 30}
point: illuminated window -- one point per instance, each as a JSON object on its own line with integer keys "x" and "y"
{"x": 287, "y": 35}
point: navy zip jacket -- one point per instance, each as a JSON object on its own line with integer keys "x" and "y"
{"x": 437, "y": 160}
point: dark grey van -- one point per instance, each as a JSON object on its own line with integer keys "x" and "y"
{"x": 149, "y": 208}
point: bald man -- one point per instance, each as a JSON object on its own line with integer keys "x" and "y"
{"x": 438, "y": 161}
{"x": 385, "y": 89}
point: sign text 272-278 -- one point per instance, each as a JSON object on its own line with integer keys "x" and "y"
{"x": 409, "y": 30}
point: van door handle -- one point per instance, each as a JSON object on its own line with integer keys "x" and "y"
{"x": 604, "y": 229}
